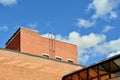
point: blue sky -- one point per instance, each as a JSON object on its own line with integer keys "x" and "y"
{"x": 93, "y": 25}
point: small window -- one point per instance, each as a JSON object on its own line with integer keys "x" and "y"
{"x": 46, "y": 55}
{"x": 70, "y": 61}
{"x": 59, "y": 58}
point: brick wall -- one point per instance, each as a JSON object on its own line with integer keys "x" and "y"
{"x": 21, "y": 66}
{"x": 31, "y": 42}
{"x": 14, "y": 43}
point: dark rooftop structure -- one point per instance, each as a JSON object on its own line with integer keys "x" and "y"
{"x": 108, "y": 69}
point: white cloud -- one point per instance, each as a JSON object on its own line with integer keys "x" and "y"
{"x": 8, "y": 2}
{"x": 85, "y": 23}
{"x": 3, "y": 28}
{"x": 107, "y": 28}
{"x": 113, "y": 15}
{"x": 83, "y": 42}
{"x": 113, "y": 54}
{"x": 33, "y": 25}
{"x": 83, "y": 59}
{"x": 104, "y": 8}
{"x": 91, "y": 45}
{"x": 107, "y": 48}
{"x": 115, "y": 44}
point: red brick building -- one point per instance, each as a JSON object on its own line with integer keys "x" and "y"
{"x": 29, "y": 41}
{"x": 29, "y": 56}
{"x": 34, "y": 57}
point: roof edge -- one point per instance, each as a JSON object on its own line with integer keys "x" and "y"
{"x": 17, "y": 32}
{"x": 40, "y": 57}
{"x": 12, "y": 36}
{"x": 102, "y": 61}
{"x": 35, "y": 31}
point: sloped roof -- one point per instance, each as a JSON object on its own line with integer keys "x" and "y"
{"x": 16, "y": 65}
{"x": 111, "y": 65}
